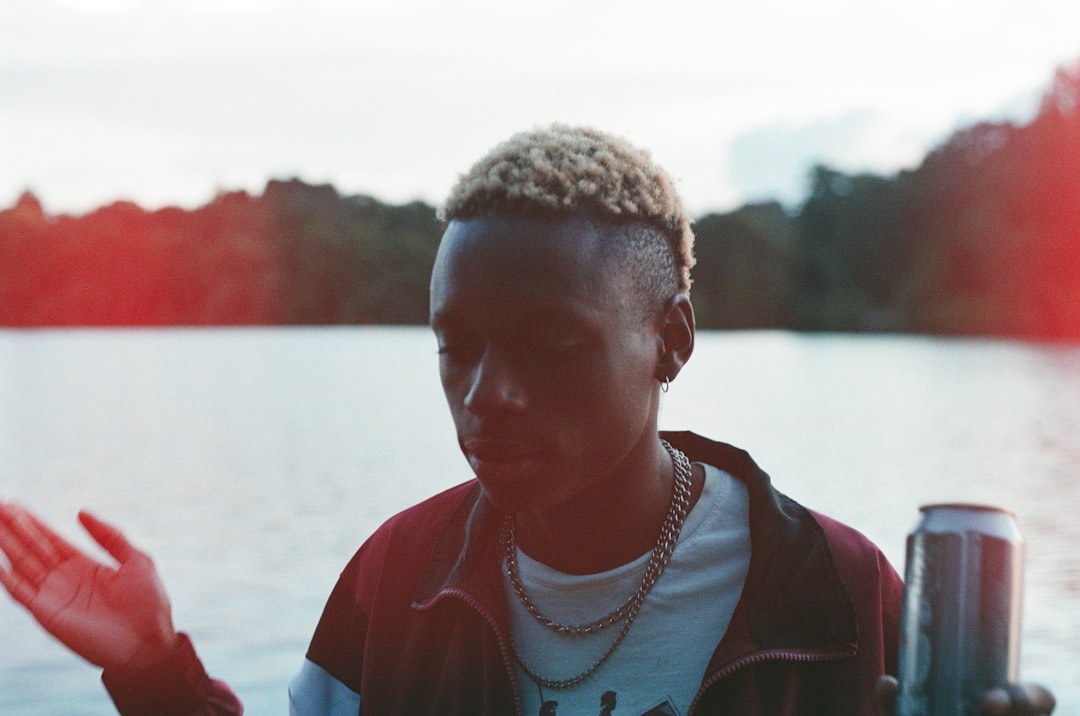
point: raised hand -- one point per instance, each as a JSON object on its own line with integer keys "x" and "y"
{"x": 117, "y": 617}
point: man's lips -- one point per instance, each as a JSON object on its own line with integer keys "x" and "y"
{"x": 496, "y": 450}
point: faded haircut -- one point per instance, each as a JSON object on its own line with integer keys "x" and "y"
{"x": 560, "y": 171}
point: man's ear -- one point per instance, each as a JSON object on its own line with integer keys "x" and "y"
{"x": 675, "y": 341}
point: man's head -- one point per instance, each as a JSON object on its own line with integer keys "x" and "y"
{"x": 562, "y": 172}
{"x": 558, "y": 298}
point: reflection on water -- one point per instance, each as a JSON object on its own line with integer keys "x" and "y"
{"x": 252, "y": 462}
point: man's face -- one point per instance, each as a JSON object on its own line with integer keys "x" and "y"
{"x": 547, "y": 365}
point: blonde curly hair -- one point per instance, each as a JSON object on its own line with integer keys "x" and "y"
{"x": 561, "y": 170}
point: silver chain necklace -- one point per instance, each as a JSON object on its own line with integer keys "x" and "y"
{"x": 628, "y": 611}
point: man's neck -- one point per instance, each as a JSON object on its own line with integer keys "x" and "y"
{"x": 613, "y": 522}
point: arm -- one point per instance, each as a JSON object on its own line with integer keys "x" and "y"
{"x": 116, "y": 617}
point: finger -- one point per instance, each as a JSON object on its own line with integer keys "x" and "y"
{"x": 996, "y": 702}
{"x": 13, "y": 579}
{"x": 19, "y": 589}
{"x": 28, "y": 549}
{"x": 887, "y": 688}
{"x": 12, "y": 548}
{"x": 1029, "y": 699}
{"x": 111, "y": 539}
{"x": 10, "y": 544}
{"x": 62, "y": 547}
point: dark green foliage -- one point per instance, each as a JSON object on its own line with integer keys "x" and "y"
{"x": 982, "y": 238}
{"x": 742, "y": 277}
{"x": 299, "y": 254}
{"x": 852, "y": 253}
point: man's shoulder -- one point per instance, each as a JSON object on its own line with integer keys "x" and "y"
{"x": 405, "y": 542}
{"x": 428, "y": 517}
{"x": 856, "y": 557}
{"x": 848, "y": 544}
{"x": 844, "y": 540}
{"x": 842, "y": 535}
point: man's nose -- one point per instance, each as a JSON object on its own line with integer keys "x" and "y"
{"x": 496, "y": 384}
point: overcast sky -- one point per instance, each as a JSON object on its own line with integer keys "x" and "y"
{"x": 169, "y": 102}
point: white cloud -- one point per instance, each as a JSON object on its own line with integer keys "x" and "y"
{"x": 396, "y": 98}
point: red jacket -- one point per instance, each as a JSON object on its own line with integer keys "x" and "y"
{"x": 417, "y": 623}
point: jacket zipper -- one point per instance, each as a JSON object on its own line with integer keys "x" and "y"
{"x": 504, "y": 647}
{"x": 729, "y": 669}
{"x": 762, "y": 656}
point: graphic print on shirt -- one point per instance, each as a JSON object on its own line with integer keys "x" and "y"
{"x": 658, "y": 669}
{"x": 608, "y": 702}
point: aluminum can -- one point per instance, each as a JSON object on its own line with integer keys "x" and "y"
{"x": 960, "y": 628}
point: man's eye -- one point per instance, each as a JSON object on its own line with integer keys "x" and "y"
{"x": 456, "y": 350}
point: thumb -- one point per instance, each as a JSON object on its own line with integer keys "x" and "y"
{"x": 887, "y": 688}
{"x": 110, "y": 538}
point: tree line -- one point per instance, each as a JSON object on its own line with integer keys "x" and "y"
{"x": 982, "y": 238}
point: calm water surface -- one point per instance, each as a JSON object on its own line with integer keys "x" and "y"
{"x": 252, "y": 462}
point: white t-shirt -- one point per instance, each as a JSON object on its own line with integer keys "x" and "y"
{"x": 658, "y": 667}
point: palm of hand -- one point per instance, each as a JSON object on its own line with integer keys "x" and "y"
{"x": 112, "y": 617}
{"x": 96, "y": 610}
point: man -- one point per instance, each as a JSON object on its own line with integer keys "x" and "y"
{"x": 593, "y": 561}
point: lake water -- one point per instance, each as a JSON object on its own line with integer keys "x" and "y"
{"x": 252, "y": 462}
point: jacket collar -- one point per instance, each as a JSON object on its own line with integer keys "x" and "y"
{"x": 793, "y": 597}
{"x": 465, "y": 551}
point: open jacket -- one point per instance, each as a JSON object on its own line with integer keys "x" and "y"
{"x": 418, "y": 622}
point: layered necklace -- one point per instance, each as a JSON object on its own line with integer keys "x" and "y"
{"x": 626, "y": 612}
